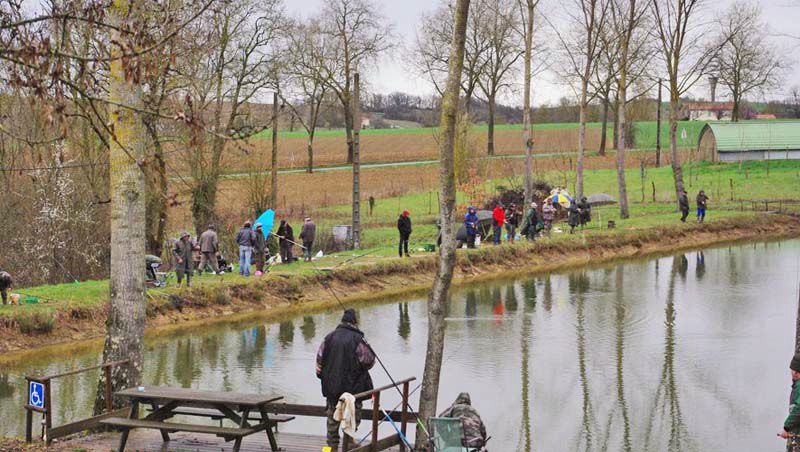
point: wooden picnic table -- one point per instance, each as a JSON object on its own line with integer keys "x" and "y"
{"x": 165, "y": 403}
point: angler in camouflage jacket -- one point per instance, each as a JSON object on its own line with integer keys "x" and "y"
{"x": 474, "y": 430}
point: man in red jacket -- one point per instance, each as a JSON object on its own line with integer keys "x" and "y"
{"x": 498, "y": 221}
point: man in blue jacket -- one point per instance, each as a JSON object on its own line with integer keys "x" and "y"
{"x": 471, "y": 226}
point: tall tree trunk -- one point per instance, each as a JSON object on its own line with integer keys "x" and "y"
{"x": 204, "y": 198}
{"x": 310, "y": 168}
{"x": 615, "y": 131}
{"x": 156, "y": 190}
{"x": 677, "y": 170}
{"x": 604, "y": 127}
{"x": 447, "y": 202}
{"x": 527, "y": 132}
{"x": 581, "y": 139}
{"x": 126, "y": 311}
{"x": 736, "y": 111}
{"x": 274, "y": 173}
{"x": 490, "y": 128}
{"x": 622, "y": 141}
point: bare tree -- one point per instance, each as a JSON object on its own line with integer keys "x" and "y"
{"x": 499, "y": 31}
{"x": 222, "y": 73}
{"x": 528, "y": 9}
{"x": 431, "y": 54}
{"x": 354, "y": 34}
{"x": 447, "y": 251}
{"x": 628, "y": 18}
{"x": 747, "y": 62}
{"x": 686, "y": 58}
{"x": 582, "y": 51}
{"x": 303, "y": 92}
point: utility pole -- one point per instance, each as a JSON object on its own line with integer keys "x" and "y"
{"x": 356, "y": 163}
{"x": 658, "y": 127}
{"x": 274, "y": 150}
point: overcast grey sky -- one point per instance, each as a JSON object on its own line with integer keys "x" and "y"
{"x": 391, "y": 74}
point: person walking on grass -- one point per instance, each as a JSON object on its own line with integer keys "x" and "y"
{"x": 182, "y": 251}
{"x": 471, "y": 226}
{"x": 586, "y": 211}
{"x": 702, "y": 205}
{"x": 307, "y": 235}
{"x": 209, "y": 248}
{"x": 683, "y": 203}
{"x": 791, "y": 426}
{"x": 343, "y": 362}
{"x": 498, "y": 221}
{"x": 573, "y": 216}
{"x": 512, "y": 221}
{"x": 404, "y": 229}
{"x": 548, "y": 215}
{"x": 259, "y": 249}
{"x": 285, "y": 241}
{"x": 246, "y": 239}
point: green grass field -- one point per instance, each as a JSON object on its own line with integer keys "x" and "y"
{"x": 727, "y": 185}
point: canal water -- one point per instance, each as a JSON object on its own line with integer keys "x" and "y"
{"x": 683, "y": 353}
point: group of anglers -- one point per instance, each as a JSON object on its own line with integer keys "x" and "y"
{"x": 204, "y": 253}
{"x": 531, "y": 224}
{"x": 343, "y": 361}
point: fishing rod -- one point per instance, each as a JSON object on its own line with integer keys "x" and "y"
{"x": 372, "y": 350}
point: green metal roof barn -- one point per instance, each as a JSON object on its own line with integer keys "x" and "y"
{"x": 750, "y": 140}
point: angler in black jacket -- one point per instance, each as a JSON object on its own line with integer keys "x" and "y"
{"x": 404, "y": 228}
{"x": 343, "y": 362}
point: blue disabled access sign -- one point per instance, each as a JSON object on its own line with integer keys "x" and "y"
{"x": 36, "y": 395}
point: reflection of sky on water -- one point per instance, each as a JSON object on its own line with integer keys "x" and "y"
{"x": 678, "y": 353}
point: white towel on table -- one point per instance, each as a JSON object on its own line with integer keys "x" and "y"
{"x": 346, "y": 414}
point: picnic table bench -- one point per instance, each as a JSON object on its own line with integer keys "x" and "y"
{"x": 169, "y": 402}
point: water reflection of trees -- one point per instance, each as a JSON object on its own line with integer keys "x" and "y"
{"x": 578, "y": 285}
{"x": 619, "y": 323}
{"x": 666, "y": 398}
{"x": 529, "y": 291}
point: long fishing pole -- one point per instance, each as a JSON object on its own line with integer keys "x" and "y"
{"x": 377, "y": 358}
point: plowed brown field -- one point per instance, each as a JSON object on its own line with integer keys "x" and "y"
{"x": 332, "y": 150}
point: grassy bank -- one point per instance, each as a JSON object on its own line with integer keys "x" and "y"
{"x": 299, "y": 287}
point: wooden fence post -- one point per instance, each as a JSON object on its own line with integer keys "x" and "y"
{"x": 403, "y": 418}
{"x": 48, "y": 414}
{"x": 376, "y": 409}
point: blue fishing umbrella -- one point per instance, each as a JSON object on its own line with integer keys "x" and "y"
{"x": 266, "y": 219}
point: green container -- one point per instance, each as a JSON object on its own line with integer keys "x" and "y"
{"x": 429, "y": 247}
{"x": 30, "y": 300}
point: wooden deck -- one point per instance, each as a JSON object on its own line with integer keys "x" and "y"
{"x": 150, "y": 440}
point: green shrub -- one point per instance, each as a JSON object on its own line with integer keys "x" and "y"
{"x": 38, "y": 322}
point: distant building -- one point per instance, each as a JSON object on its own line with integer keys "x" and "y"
{"x": 707, "y": 111}
{"x": 738, "y": 141}
{"x": 366, "y": 123}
